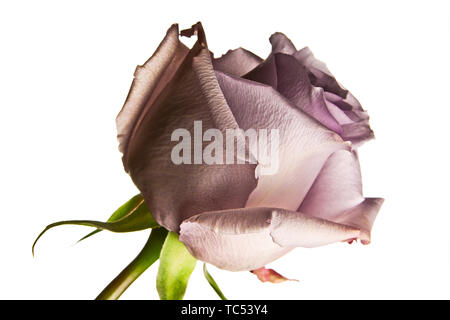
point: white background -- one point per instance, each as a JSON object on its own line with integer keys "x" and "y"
{"x": 65, "y": 70}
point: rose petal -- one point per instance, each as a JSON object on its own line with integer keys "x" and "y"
{"x": 249, "y": 238}
{"x": 237, "y": 62}
{"x": 290, "y": 78}
{"x": 357, "y": 132}
{"x": 325, "y": 97}
{"x": 319, "y": 74}
{"x": 362, "y": 216}
{"x": 353, "y": 120}
{"x": 281, "y": 44}
{"x": 337, "y": 187}
{"x": 269, "y": 275}
{"x": 336, "y": 195}
{"x": 347, "y": 104}
{"x": 338, "y": 114}
{"x": 297, "y": 229}
{"x": 149, "y": 80}
{"x": 176, "y": 192}
{"x": 304, "y": 145}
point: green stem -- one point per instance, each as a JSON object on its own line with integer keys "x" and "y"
{"x": 148, "y": 255}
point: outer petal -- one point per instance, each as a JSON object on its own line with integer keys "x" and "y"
{"x": 149, "y": 81}
{"x": 176, "y": 192}
{"x": 304, "y": 144}
{"x": 247, "y": 239}
{"x": 362, "y": 216}
{"x": 237, "y": 62}
{"x": 336, "y": 195}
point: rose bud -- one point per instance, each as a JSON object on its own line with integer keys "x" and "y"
{"x": 232, "y": 215}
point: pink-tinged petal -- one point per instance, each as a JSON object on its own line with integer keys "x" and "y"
{"x": 336, "y": 195}
{"x": 270, "y": 275}
{"x": 250, "y": 238}
{"x": 176, "y": 192}
{"x": 237, "y": 62}
{"x": 304, "y": 144}
{"x": 284, "y": 73}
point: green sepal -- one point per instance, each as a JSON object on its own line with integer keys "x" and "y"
{"x": 212, "y": 283}
{"x": 175, "y": 268}
{"x": 138, "y": 219}
{"x": 127, "y": 208}
{"x": 148, "y": 255}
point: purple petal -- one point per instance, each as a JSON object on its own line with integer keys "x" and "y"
{"x": 285, "y": 74}
{"x": 322, "y": 96}
{"x": 351, "y": 117}
{"x": 305, "y": 145}
{"x": 346, "y": 106}
{"x": 237, "y": 62}
{"x": 336, "y": 195}
{"x": 176, "y": 192}
{"x": 319, "y": 74}
{"x": 282, "y": 44}
{"x": 362, "y": 216}
{"x": 248, "y": 239}
{"x": 149, "y": 80}
{"x": 357, "y": 132}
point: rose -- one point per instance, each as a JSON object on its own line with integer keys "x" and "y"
{"x": 226, "y": 215}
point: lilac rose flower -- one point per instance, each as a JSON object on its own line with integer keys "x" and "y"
{"x": 227, "y": 214}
